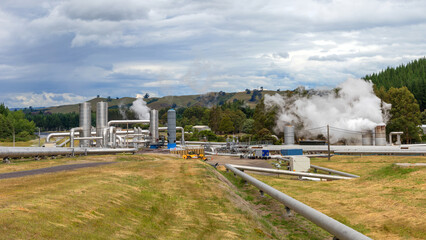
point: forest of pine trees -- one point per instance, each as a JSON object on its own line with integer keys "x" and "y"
{"x": 411, "y": 75}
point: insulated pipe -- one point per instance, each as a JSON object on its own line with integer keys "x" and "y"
{"x": 72, "y": 132}
{"x": 111, "y": 141}
{"x": 87, "y": 138}
{"x": 64, "y": 143}
{"x": 339, "y": 230}
{"x": 10, "y": 152}
{"x": 182, "y": 130}
{"x": 113, "y": 122}
{"x": 67, "y": 134}
{"x": 335, "y": 171}
{"x": 182, "y": 141}
{"x": 302, "y": 174}
{"x": 64, "y": 134}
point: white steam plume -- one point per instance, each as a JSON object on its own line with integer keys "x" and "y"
{"x": 355, "y": 107}
{"x": 140, "y": 108}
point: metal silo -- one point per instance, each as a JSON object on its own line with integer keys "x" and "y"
{"x": 101, "y": 121}
{"x": 380, "y": 132}
{"x": 171, "y": 128}
{"x": 85, "y": 123}
{"x": 289, "y": 135}
{"x": 153, "y": 126}
{"x": 367, "y": 138}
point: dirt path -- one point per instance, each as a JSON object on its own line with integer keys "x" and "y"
{"x": 50, "y": 169}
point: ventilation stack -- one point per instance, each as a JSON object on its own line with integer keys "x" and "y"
{"x": 367, "y": 138}
{"x": 171, "y": 128}
{"x": 85, "y": 123}
{"x": 101, "y": 122}
{"x": 289, "y": 135}
{"x": 380, "y": 131}
{"x": 153, "y": 127}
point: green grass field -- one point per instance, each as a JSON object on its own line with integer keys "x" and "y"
{"x": 138, "y": 197}
{"x": 386, "y": 202}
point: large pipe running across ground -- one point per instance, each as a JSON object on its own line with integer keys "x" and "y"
{"x": 285, "y": 172}
{"x": 339, "y": 230}
{"x": 67, "y": 134}
{"x": 12, "y": 152}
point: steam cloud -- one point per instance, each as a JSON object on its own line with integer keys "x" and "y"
{"x": 141, "y": 109}
{"x": 355, "y": 107}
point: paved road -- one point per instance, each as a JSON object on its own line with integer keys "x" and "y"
{"x": 51, "y": 169}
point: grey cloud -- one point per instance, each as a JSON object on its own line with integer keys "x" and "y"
{"x": 75, "y": 46}
{"x": 107, "y": 10}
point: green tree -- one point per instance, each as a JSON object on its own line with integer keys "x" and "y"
{"x": 226, "y": 125}
{"x": 405, "y": 113}
{"x": 264, "y": 118}
{"x": 248, "y": 126}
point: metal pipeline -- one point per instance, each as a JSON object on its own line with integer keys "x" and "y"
{"x": 12, "y": 152}
{"x": 113, "y": 122}
{"x": 112, "y": 131}
{"x": 72, "y": 132}
{"x": 285, "y": 172}
{"x": 67, "y": 134}
{"x": 182, "y": 142}
{"x": 87, "y": 138}
{"x": 335, "y": 171}
{"x": 339, "y": 230}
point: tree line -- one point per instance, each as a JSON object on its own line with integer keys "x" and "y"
{"x": 15, "y": 123}
{"x": 411, "y": 75}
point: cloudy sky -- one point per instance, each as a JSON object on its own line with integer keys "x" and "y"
{"x": 57, "y": 51}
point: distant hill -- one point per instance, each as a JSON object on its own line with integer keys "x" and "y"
{"x": 412, "y": 76}
{"x": 205, "y": 100}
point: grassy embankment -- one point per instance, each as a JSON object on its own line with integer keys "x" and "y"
{"x": 139, "y": 197}
{"x": 387, "y": 202}
{"x": 31, "y": 143}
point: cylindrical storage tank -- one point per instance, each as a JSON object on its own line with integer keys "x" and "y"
{"x": 367, "y": 138}
{"x": 153, "y": 126}
{"x": 288, "y": 135}
{"x": 101, "y": 120}
{"x": 171, "y": 128}
{"x": 380, "y": 132}
{"x": 85, "y": 123}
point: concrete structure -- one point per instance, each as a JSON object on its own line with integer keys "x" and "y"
{"x": 299, "y": 163}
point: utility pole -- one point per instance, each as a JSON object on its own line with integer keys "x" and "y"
{"x": 328, "y": 141}
{"x": 39, "y": 141}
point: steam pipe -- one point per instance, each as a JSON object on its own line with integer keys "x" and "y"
{"x": 87, "y": 138}
{"x": 67, "y": 134}
{"x": 111, "y": 141}
{"x": 335, "y": 171}
{"x": 72, "y": 132}
{"x": 113, "y": 122}
{"x": 9, "y": 152}
{"x": 341, "y": 231}
{"x": 302, "y": 174}
{"x": 182, "y": 130}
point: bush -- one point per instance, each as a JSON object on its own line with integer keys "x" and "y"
{"x": 208, "y": 134}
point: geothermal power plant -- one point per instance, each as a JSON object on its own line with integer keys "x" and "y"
{"x": 108, "y": 137}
